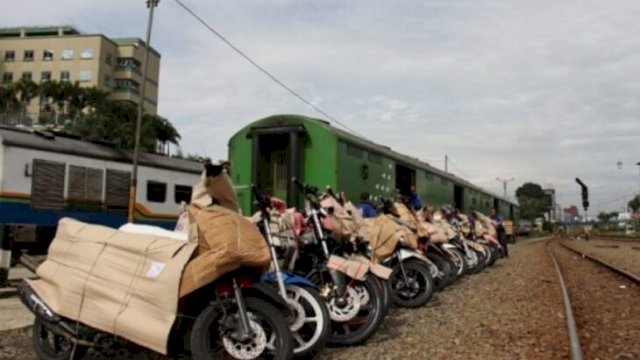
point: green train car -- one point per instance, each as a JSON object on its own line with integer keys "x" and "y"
{"x": 270, "y": 151}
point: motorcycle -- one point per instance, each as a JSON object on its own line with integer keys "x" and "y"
{"x": 355, "y": 301}
{"x": 308, "y": 315}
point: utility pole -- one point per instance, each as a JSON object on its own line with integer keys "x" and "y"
{"x": 151, "y": 4}
{"x": 504, "y": 185}
{"x": 446, "y": 164}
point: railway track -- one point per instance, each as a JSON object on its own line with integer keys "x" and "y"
{"x": 601, "y": 315}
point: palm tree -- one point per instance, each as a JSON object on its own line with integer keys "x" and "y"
{"x": 8, "y": 100}
{"x": 157, "y": 130}
{"x": 48, "y": 92}
{"x": 27, "y": 90}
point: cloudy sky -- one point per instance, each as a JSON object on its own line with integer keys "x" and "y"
{"x": 542, "y": 91}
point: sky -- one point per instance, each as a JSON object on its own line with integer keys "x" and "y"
{"x": 540, "y": 91}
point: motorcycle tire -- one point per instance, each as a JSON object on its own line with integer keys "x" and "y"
{"x": 461, "y": 267}
{"x": 366, "y": 322}
{"x": 444, "y": 267}
{"x": 480, "y": 264}
{"x": 206, "y": 330}
{"x": 311, "y": 330}
{"x": 418, "y": 271}
{"x": 49, "y": 346}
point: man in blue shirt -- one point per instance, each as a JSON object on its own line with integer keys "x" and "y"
{"x": 366, "y": 207}
{"x": 502, "y": 236}
{"x": 415, "y": 198}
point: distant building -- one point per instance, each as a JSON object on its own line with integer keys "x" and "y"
{"x": 570, "y": 213}
{"x": 63, "y": 53}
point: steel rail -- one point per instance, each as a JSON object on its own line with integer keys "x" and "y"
{"x": 572, "y": 330}
{"x": 608, "y": 265}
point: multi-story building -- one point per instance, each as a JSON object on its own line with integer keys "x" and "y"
{"x": 63, "y": 53}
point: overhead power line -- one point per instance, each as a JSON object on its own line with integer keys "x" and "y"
{"x": 260, "y": 68}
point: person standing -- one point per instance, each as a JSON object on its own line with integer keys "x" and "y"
{"x": 415, "y": 198}
{"x": 366, "y": 207}
{"x": 498, "y": 222}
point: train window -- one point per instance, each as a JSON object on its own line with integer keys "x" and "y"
{"x": 84, "y": 188}
{"x": 375, "y": 158}
{"x": 47, "y": 184}
{"x": 182, "y": 193}
{"x": 429, "y": 176}
{"x": 156, "y": 191}
{"x": 355, "y": 151}
{"x": 117, "y": 186}
{"x": 443, "y": 181}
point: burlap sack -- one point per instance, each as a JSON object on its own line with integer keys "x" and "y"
{"x": 226, "y": 241}
{"x": 437, "y": 234}
{"x": 465, "y": 225}
{"x": 448, "y": 230}
{"x": 384, "y": 234}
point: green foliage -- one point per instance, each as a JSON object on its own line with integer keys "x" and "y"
{"x": 606, "y": 217}
{"x": 88, "y": 113}
{"x": 634, "y": 203}
{"x": 533, "y": 201}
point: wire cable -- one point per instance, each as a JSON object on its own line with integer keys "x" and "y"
{"x": 260, "y": 68}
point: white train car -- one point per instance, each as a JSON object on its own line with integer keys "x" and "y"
{"x": 46, "y": 176}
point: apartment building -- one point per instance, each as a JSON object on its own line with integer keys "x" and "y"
{"x": 64, "y": 53}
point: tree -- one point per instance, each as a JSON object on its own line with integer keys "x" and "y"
{"x": 26, "y": 90}
{"x": 634, "y": 203}
{"x": 533, "y": 201}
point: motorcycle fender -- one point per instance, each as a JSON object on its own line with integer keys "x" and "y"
{"x": 265, "y": 291}
{"x": 408, "y": 254}
{"x": 448, "y": 246}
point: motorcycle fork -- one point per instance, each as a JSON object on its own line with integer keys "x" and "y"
{"x": 245, "y": 329}
{"x": 403, "y": 271}
{"x": 274, "y": 259}
{"x": 336, "y": 276}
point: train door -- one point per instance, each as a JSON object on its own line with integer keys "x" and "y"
{"x": 496, "y": 204}
{"x": 276, "y": 159}
{"x": 458, "y": 196}
{"x": 511, "y": 217}
{"x": 405, "y": 177}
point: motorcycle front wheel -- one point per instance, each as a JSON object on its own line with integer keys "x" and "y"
{"x": 49, "y": 346}
{"x": 309, "y": 321}
{"x": 212, "y": 336}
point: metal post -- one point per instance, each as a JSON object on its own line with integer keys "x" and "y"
{"x": 504, "y": 185}
{"x": 5, "y": 255}
{"x": 151, "y": 4}
{"x": 446, "y": 164}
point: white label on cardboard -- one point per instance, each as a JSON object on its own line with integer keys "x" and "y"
{"x": 155, "y": 269}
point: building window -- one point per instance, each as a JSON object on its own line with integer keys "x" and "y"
{"x": 182, "y": 193}
{"x": 87, "y": 53}
{"x": 28, "y": 55}
{"x": 67, "y": 54}
{"x": 156, "y": 191}
{"x": 7, "y": 78}
{"x": 45, "y": 76}
{"x": 27, "y": 76}
{"x": 107, "y": 80}
{"x": 129, "y": 63}
{"x": 107, "y": 59}
{"x": 47, "y": 55}
{"x": 354, "y": 151}
{"x": 127, "y": 84}
{"x": 375, "y": 158}
{"x": 85, "y": 75}
{"x": 9, "y": 56}
{"x": 65, "y": 76}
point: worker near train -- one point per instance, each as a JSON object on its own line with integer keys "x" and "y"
{"x": 499, "y": 224}
{"x": 366, "y": 207}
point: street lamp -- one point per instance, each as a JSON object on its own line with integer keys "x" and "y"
{"x": 504, "y": 185}
{"x": 638, "y": 163}
{"x": 151, "y": 4}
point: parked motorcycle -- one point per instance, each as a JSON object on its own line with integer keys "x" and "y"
{"x": 308, "y": 315}
{"x": 355, "y": 304}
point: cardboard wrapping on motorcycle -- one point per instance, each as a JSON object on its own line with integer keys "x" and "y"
{"x": 437, "y": 234}
{"x": 355, "y": 269}
{"x": 340, "y": 223}
{"x": 384, "y": 234}
{"x": 226, "y": 242}
{"x": 448, "y": 230}
{"x": 122, "y": 283}
{"x": 465, "y": 225}
{"x": 218, "y": 188}
{"x": 411, "y": 219}
{"x": 378, "y": 270}
{"x": 488, "y": 224}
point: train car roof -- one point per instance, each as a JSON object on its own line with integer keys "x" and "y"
{"x": 387, "y": 151}
{"x": 67, "y": 144}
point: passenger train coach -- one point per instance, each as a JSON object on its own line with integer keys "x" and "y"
{"x": 46, "y": 176}
{"x": 270, "y": 151}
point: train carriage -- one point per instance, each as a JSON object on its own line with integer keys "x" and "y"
{"x": 270, "y": 151}
{"x": 45, "y": 176}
